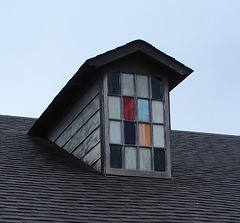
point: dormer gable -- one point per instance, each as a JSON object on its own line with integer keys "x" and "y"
{"x": 114, "y": 113}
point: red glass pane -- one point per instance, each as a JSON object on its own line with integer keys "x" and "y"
{"x": 129, "y": 108}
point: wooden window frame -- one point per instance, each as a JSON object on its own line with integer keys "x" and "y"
{"x": 105, "y": 136}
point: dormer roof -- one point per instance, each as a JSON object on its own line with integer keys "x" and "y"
{"x": 67, "y": 96}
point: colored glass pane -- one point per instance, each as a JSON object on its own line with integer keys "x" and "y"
{"x": 157, "y": 111}
{"x": 158, "y": 136}
{"x": 159, "y": 159}
{"x": 142, "y": 86}
{"x": 114, "y": 107}
{"x": 129, "y": 133}
{"x": 129, "y": 108}
{"x": 127, "y": 85}
{"x": 131, "y": 158}
{"x": 115, "y": 156}
{"x": 157, "y": 89}
{"x": 115, "y": 132}
{"x": 145, "y": 159}
{"x": 143, "y": 110}
{"x": 113, "y": 83}
{"x": 144, "y": 134}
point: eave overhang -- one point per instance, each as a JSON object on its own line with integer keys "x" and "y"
{"x": 67, "y": 96}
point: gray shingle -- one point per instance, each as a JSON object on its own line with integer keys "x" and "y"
{"x": 41, "y": 182}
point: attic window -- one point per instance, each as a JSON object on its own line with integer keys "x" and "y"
{"x": 136, "y": 122}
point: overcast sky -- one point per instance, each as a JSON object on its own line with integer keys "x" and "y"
{"x": 43, "y": 43}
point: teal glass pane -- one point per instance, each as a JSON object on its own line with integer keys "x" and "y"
{"x": 143, "y": 110}
{"x": 145, "y": 159}
{"x": 157, "y": 88}
{"x": 142, "y": 86}
{"x": 159, "y": 159}
{"x": 127, "y": 84}
{"x": 115, "y": 156}
{"x": 113, "y": 83}
{"x": 131, "y": 158}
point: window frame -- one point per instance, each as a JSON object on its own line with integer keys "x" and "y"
{"x": 166, "y": 124}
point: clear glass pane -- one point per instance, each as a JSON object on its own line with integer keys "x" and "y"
{"x": 142, "y": 86}
{"x": 115, "y": 156}
{"x": 157, "y": 89}
{"x": 129, "y": 133}
{"x": 131, "y": 158}
{"x": 158, "y": 136}
{"x": 144, "y": 134}
{"x": 145, "y": 158}
{"x": 159, "y": 159}
{"x": 143, "y": 110}
{"x": 129, "y": 108}
{"x": 114, "y": 107}
{"x": 127, "y": 85}
{"x": 115, "y": 132}
{"x": 157, "y": 111}
{"x": 113, "y": 83}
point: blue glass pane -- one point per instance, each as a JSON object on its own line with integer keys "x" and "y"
{"x": 159, "y": 159}
{"x": 115, "y": 156}
{"x": 113, "y": 83}
{"x": 157, "y": 89}
{"x": 143, "y": 110}
{"x": 129, "y": 133}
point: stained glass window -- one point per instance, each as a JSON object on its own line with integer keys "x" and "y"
{"x": 157, "y": 89}
{"x": 114, "y": 107}
{"x": 143, "y": 110}
{"x": 131, "y": 158}
{"x": 127, "y": 85}
{"x": 129, "y": 108}
{"x": 136, "y": 122}
{"x": 115, "y": 132}
{"x": 144, "y": 134}
{"x": 145, "y": 159}
{"x": 158, "y": 136}
{"x": 157, "y": 111}
{"x": 159, "y": 159}
{"x": 115, "y": 156}
{"x": 142, "y": 86}
{"x": 113, "y": 83}
{"x": 129, "y": 133}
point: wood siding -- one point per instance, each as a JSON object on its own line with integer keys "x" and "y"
{"x": 78, "y": 132}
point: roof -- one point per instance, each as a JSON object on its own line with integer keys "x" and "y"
{"x": 90, "y": 68}
{"x": 40, "y": 182}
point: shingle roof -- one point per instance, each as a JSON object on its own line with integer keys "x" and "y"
{"x": 41, "y": 182}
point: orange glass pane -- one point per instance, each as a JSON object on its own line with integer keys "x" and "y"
{"x": 144, "y": 134}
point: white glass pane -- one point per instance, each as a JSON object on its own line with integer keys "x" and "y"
{"x": 145, "y": 158}
{"x": 127, "y": 85}
{"x": 131, "y": 158}
{"x": 157, "y": 111}
{"x": 114, "y": 107}
{"x": 115, "y": 132}
{"x": 142, "y": 86}
{"x": 158, "y": 136}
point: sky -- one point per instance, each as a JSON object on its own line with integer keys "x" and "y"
{"x": 43, "y": 43}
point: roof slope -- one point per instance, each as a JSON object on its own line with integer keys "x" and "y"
{"x": 86, "y": 73}
{"x": 41, "y": 182}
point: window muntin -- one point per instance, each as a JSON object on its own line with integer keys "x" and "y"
{"x": 137, "y": 140}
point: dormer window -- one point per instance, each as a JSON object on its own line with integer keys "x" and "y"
{"x": 114, "y": 113}
{"x": 136, "y": 122}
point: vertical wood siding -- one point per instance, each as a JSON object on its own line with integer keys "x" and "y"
{"x": 79, "y": 130}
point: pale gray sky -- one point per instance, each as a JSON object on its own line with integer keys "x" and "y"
{"x": 43, "y": 43}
